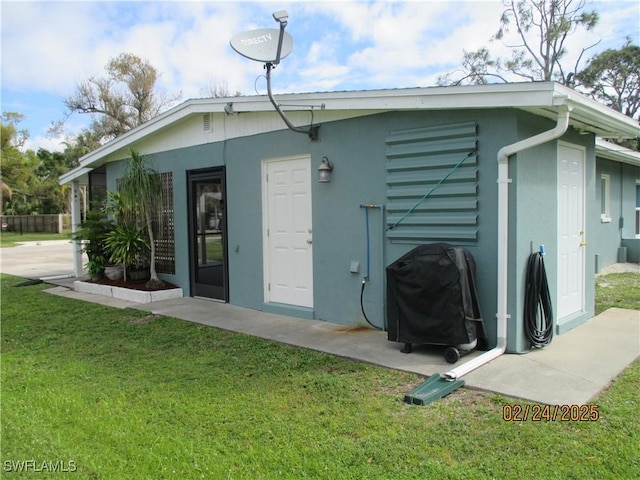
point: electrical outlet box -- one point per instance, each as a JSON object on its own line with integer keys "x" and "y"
{"x": 355, "y": 266}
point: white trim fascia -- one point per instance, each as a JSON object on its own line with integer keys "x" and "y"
{"x": 617, "y": 153}
{"x": 476, "y": 96}
{"x": 541, "y": 98}
{"x": 74, "y": 174}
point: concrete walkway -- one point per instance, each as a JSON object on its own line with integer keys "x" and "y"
{"x": 574, "y": 369}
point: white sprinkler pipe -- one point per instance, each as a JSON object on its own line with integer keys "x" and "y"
{"x": 503, "y": 238}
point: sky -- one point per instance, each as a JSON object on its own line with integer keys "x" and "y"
{"x": 49, "y": 47}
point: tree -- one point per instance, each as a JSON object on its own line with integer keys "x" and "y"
{"x": 11, "y": 136}
{"x": 30, "y": 179}
{"x": 14, "y": 171}
{"x": 476, "y": 67}
{"x": 543, "y": 29}
{"x": 218, "y": 89}
{"x": 613, "y": 78}
{"x": 49, "y": 195}
{"x": 79, "y": 145}
{"x": 126, "y": 98}
{"x": 17, "y": 167}
{"x": 140, "y": 195}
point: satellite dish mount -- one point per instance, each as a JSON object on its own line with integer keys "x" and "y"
{"x": 259, "y": 45}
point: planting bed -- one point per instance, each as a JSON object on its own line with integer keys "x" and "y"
{"x": 131, "y": 291}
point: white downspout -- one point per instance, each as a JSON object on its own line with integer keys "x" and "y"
{"x": 503, "y": 238}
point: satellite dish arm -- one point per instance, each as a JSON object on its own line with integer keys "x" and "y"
{"x": 283, "y": 24}
{"x": 312, "y": 132}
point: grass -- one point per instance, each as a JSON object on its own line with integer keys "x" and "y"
{"x": 11, "y": 239}
{"x": 618, "y": 290}
{"x": 122, "y": 394}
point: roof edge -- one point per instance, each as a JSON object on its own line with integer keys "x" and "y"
{"x": 617, "y": 153}
{"x": 525, "y": 95}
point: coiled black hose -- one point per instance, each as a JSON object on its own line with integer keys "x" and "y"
{"x": 538, "y": 311}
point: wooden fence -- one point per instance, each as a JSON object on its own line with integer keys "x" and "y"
{"x": 36, "y": 223}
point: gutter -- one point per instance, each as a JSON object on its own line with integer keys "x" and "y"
{"x": 562, "y": 124}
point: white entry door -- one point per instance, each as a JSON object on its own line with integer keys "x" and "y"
{"x": 288, "y": 253}
{"x": 571, "y": 231}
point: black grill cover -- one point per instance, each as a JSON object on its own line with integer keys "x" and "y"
{"x": 432, "y": 297}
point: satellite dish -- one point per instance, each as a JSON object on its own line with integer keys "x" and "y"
{"x": 261, "y": 45}
{"x": 269, "y": 46}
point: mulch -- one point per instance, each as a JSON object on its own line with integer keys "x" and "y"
{"x": 134, "y": 285}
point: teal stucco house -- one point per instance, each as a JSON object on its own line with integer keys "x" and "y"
{"x": 499, "y": 169}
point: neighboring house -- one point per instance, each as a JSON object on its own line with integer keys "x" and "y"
{"x": 249, "y": 224}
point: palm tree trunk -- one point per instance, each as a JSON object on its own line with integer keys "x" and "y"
{"x": 154, "y": 281}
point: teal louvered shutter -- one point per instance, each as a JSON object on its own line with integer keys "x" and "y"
{"x": 417, "y": 162}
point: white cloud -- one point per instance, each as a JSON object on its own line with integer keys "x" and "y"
{"x": 48, "y": 47}
{"x": 382, "y": 41}
{"x": 70, "y": 41}
{"x": 400, "y": 44}
{"x": 48, "y": 143}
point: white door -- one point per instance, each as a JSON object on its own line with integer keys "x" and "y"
{"x": 288, "y": 254}
{"x": 571, "y": 231}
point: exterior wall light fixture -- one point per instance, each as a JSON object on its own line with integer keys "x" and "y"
{"x": 324, "y": 171}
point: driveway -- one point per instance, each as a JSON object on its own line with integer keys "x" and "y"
{"x": 38, "y": 259}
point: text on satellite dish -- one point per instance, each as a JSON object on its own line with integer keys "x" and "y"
{"x": 256, "y": 40}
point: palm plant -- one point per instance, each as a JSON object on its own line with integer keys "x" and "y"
{"x": 140, "y": 195}
{"x": 127, "y": 246}
{"x": 92, "y": 233}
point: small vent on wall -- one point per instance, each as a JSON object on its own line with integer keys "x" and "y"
{"x": 206, "y": 122}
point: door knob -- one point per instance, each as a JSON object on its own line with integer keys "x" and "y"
{"x": 582, "y": 243}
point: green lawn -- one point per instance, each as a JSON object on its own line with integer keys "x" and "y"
{"x": 618, "y": 290}
{"x": 10, "y": 239}
{"x": 116, "y": 394}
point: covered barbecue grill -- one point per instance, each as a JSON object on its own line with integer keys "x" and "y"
{"x": 432, "y": 299}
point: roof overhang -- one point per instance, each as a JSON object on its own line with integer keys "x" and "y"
{"x": 79, "y": 174}
{"x": 617, "y": 153}
{"x": 539, "y": 98}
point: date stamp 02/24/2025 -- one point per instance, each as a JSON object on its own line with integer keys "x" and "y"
{"x": 550, "y": 413}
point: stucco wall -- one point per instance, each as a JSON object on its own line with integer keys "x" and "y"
{"x": 534, "y": 221}
{"x": 357, "y": 149}
{"x": 607, "y": 236}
